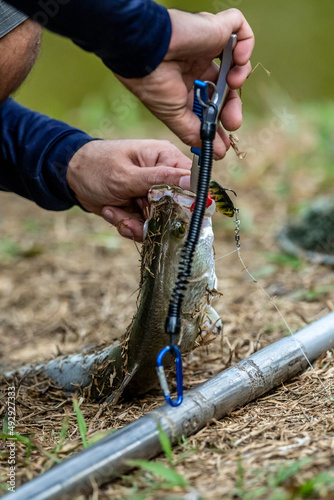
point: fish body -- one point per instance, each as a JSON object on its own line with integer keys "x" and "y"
{"x": 166, "y": 231}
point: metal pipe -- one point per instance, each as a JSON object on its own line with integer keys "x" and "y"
{"x": 217, "y": 397}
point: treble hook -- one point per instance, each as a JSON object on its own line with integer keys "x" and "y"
{"x": 179, "y": 376}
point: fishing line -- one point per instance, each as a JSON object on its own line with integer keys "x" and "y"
{"x": 271, "y": 300}
{"x": 226, "y": 255}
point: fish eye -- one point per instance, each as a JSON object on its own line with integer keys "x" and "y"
{"x": 178, "y": 229}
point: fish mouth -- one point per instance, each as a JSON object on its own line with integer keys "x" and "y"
{"x": 180, "y": 196}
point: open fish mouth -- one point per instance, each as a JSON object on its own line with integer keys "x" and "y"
{"x": 184, "y": 199}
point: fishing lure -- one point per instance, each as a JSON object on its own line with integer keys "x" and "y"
{"x": 224, "y": 204}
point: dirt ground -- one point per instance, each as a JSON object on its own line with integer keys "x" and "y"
{"x": 67, "y": 281}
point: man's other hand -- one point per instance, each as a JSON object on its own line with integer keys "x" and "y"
{"x": 112, "y": 178}
{"x": 197, "y": 39}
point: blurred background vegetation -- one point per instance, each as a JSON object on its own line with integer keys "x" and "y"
{"x": 293, "y": 41}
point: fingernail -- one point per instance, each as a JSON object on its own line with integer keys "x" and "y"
{"x": 125, "y": 231}
{"x": 108, "y": 216}
{"x": 184, "y": 182}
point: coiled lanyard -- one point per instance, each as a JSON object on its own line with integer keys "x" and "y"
{"x": 209, "y": 112}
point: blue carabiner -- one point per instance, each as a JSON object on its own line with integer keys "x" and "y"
{"x": 179, "y": 377}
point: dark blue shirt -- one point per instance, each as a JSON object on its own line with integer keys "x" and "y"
{"x": 130, "y": 36}
{"x": 34, "y": 155}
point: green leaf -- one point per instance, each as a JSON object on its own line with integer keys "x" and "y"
{"x": 160, "y": 470}
{"x": 19, "y": 439}
{"x": 81, "y": 423}
{"x": 64, "y": 429}
{"x": 264, "y": 271}
{"x": 166, "y": 444}
{"x": 140, "y": 496}
{"x": 285, "y": 472}
{"x": 52, "y": 457}
{"x": 240, "y": 474}
{"x": 62, "y": 435}
{"x": 284, "y": 259}
{"x": 9, "y": 248}
{"x": 100, "y": 435}
{"x": 278, "y": 494}
{"x": 5, "y": 424}
{"x": 259, "y": 492}
{"x": 309, "y": 487}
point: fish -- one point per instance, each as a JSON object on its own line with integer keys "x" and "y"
{"x": 165, "y": 233}
{"x": 128, "y": 367}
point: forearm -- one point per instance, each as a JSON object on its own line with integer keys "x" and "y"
{"x": 130, "y": 36}
{"x": 18, "y": 52}
{"x": 34, "y": 156}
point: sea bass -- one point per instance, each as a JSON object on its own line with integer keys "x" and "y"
{"x": 128, "y": 367}
{"x": 165, "y": 234}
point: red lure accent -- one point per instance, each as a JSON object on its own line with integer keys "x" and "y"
{"x": 208, "y": 203}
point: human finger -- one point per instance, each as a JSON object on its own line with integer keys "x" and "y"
{"x": 140, "y": 180}
{"x": 129, "y": 225}
{"x": 163, "y": 153}
{"x": 231, "y": 116}
{"x": 152, "y": 153}
{"x": 234, "y": 22}
{"x": 237, "y": 75}
{"x": 221, "y": 136}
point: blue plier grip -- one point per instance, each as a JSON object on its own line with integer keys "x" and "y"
{"x": 179, "y": 376}
{"x": 202, "y": 88}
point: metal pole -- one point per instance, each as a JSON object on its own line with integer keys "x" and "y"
{"x": 232, "y": 388}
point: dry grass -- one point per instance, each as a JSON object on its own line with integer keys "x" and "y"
{"x": 67, "y": 282}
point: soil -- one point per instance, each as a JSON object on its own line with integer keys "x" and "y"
{"x": 68, "y": 281}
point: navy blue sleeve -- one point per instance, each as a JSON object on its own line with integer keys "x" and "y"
{"x": 34, "y": 156}
{"x": 130, "y": 36}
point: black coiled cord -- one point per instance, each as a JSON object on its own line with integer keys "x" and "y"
{"x": 173, "y": 321}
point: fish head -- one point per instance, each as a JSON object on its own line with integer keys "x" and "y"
{"x": 166, "y": 230}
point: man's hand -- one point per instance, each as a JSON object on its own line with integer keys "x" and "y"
{"x": 112, "y": 178}
{"x": 196, "y": 40}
